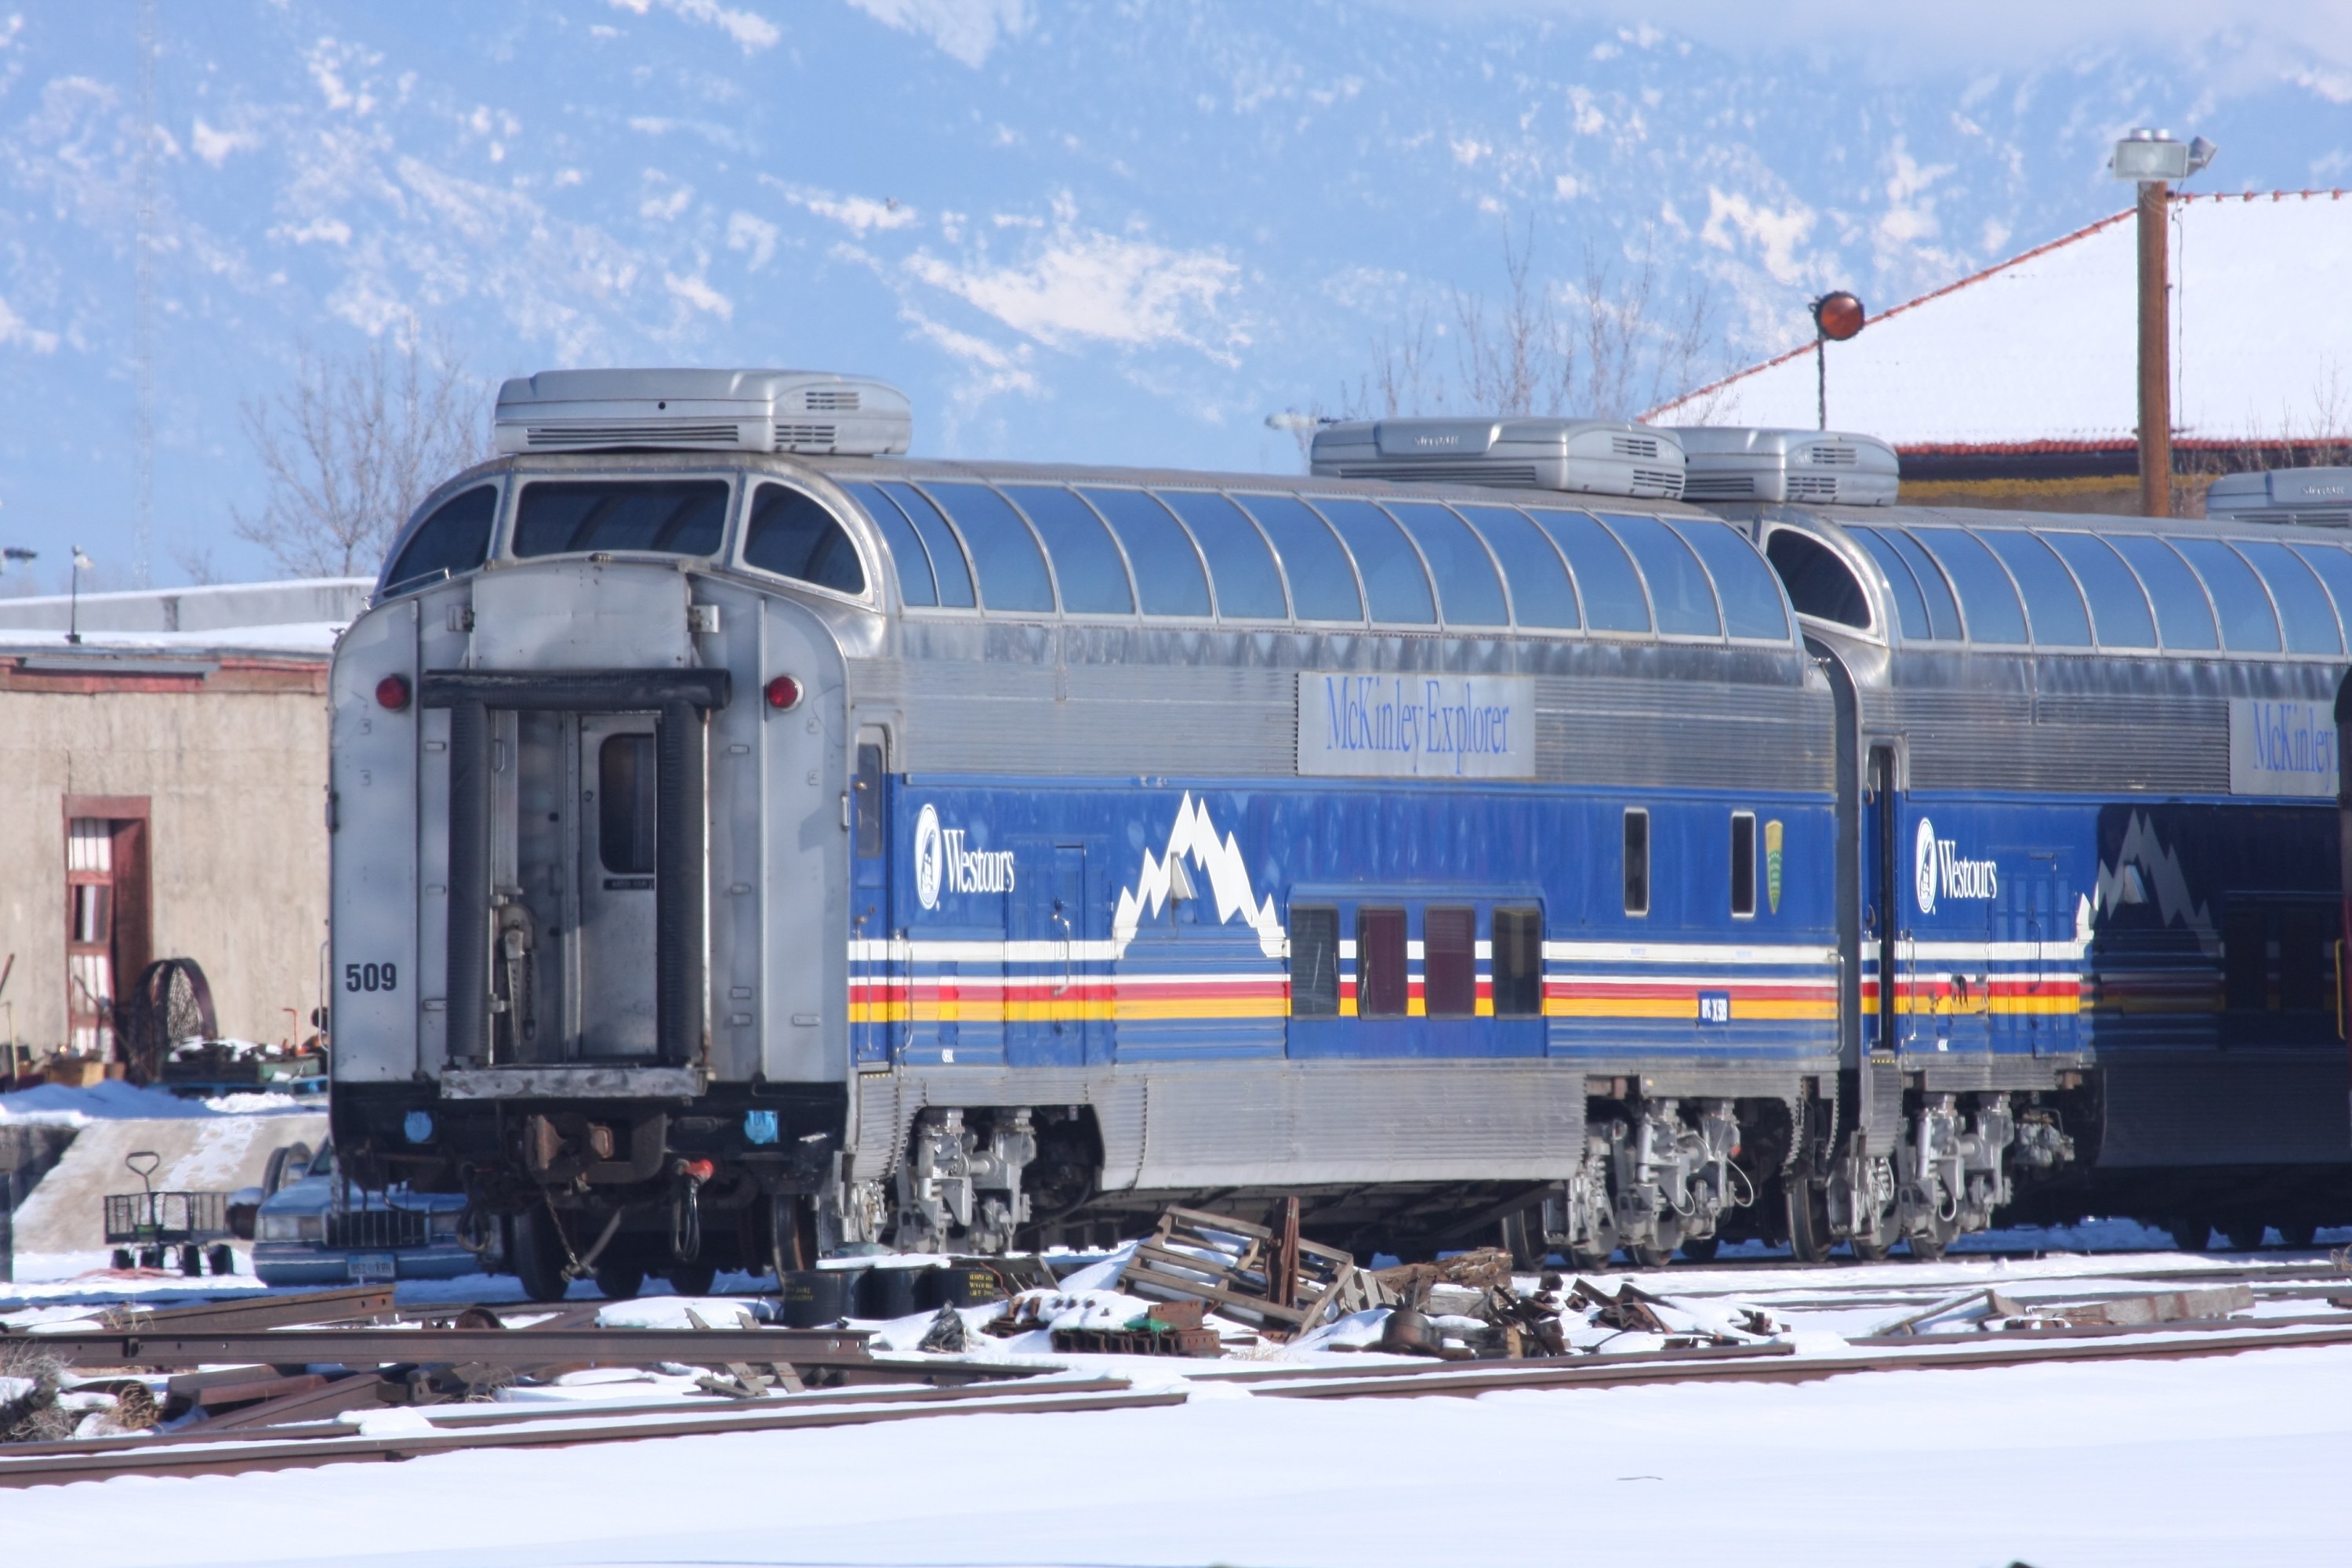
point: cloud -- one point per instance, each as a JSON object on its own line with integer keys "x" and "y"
{"x": 699, "y": 294}
{"x": 859, "y": 215}
{"x": 751, "y": 31}
{"x": 16, "y": 334}
{"x": 1078, "y": 285}
{"x": 1777, "y": 234}
{"x": 754, "y": 235}
{"x": 214, "y": 146}
{"x": 1913, "y": 41}
{"x": 965, "y": 30}
{"x": 991, "y": 370}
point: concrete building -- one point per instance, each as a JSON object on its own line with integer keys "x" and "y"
{"x": 163, "y": 781}
{"x": 2018, "y": 386}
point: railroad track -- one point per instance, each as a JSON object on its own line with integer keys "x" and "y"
{"x": 229, "y": 1449}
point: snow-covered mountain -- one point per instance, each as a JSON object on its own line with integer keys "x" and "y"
{"x": 1115, "y": 230}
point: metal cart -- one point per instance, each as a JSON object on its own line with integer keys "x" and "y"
{"x": 143, "y": 1228}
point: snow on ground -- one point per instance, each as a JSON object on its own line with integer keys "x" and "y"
{"x": 2217, "y": 1460}
{"x": 55, "y": 1105}
{"x": 2233, "y": 1460}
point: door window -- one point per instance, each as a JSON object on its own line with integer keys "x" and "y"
{"x": 627, "y": 824}
{"x": 1637, "y": 861}
{"x": 1743, "y": 865}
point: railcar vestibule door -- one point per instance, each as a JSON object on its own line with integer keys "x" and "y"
{"x": 1889, "y": 902}
{"x": 619, "y": 833}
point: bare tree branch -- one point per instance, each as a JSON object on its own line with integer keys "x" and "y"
{"x": 1622, "y": 349}
{"x": 352, "y": 448}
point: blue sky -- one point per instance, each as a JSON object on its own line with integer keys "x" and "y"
{"x": 1119, "y": 231}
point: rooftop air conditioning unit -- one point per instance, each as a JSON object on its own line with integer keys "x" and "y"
{"x": 1598, "y": 457}
{"x": 1731, "y": 464}
{"x": 2321, "y": 496}
{"x": 806, "y": 411}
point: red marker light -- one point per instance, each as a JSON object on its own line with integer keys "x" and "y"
{"x": 392, "y": 692}
{"x": 783, "y": 693}
{"x": 1839, "y": 316}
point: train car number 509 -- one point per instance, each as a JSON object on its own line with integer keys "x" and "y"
{"x": 371, "y": 977}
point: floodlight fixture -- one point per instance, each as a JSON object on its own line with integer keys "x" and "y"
{"x": 2145, "y": 156}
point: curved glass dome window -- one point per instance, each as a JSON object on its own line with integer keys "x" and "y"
{"x": 1322, "y": 579}
{"x": 667, "y": 517}
{"x": 1987, "y": 594}
{"x": 2119, "y": 611}
{"x": 2303, "y": 603}
{"x": 1168, "y": 573}
{"x": 1679, "y": 589}
{"x": 2184, "y": 615}
{"x": 2051, "y": 600}
{"x": 1087, "y": 564}
{"x": 1393, "y": 579}
{"x": 1249, "y": 584}
{"x": 1605, "y": 578}
{"x": 1750, "y": 596}
{"x": 2335, "y": 568}
{"x": 1469, "y": 592}
{"x": 1820, "y": 582}
{"x": 2248, "y": 623}
{"x": 455, "y": 538}
{"x": 793, "y": 535}
{"x": 1542, "y": 594}
{"x": 1005, "y": 553}
{"x": 1911, "y": 601}
{"x": 913, "y": 562}
{"x": 939, "y": 540}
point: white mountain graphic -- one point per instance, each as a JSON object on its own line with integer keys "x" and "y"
{"x": 1193, "y": 842}
{"x": 2148, "y": 868}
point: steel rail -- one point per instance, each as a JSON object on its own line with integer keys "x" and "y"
{"x": 458, "y": 1417}
{"x": 235, "y": 1455}
{"x": 1456, "y": 1378}
{"x": 518, "y": 1348}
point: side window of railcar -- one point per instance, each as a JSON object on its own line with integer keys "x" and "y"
{"x": 1819, "y": 583}
{"x": 1637, "y": 861}
{"x": 1743, "y": 865}
{"x": 456, "y": 538}
{"x": 1449, "y": 963}
{"x": 793, "y": 535}
{"x": 1518, "y": 964}
{"x": 1314, "y": 962}
{"x": 1380, "y": 984}
{"x": 869, "y": 791}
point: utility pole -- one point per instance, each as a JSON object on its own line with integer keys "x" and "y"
{"x": 2153, "y": 159}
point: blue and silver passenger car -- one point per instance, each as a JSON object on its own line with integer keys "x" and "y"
{"x": 742, "y": 847}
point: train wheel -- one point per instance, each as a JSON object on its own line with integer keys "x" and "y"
{"x": 1648, "y": 1257}
{"x": 1585, "y": 1260}
{"x": 1701, "y": 1248}
{"x": 537, "y": 1256}
{"x": 1869, "y": 1250}
{"x": 619, "y": 1281}
{"x": 2189, "y": 1235}
{"x": 2244, "y": 1234}
{"x": 792, "y": 1234}
{"x": 1809, "y": 1221}
{"x": 2298, "y": 1233}
{"x": 692, "y": 1279}
{"x": 1522, "y": 1238}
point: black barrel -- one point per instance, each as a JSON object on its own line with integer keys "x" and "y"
{"x": 886, "y": 1292}
{"x": 816, "y": 1296}
{"x": 961, "y": 1285}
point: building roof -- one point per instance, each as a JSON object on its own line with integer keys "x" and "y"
{"x": 2040, "y": 354}
{"x": 235, "y": 636}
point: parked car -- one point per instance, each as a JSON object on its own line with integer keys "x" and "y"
{"x": 312, "y": 1230}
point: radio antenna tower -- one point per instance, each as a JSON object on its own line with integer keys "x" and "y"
{"x": 143, "y": 322}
